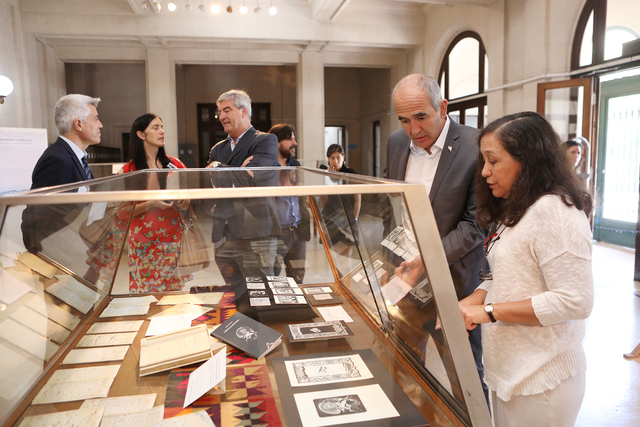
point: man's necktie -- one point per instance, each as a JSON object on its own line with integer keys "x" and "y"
{"x": 87, "y": 170}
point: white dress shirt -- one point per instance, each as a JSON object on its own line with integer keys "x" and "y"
{"x": 421, "y": 166}
{"x": 76, "y": 150}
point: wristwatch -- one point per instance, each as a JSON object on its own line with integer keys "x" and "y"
{"x": 489, "y": 310}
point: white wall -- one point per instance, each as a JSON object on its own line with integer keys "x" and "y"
{"x": 122, "y": 90}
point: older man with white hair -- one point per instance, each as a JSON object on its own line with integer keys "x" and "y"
{"x": 65, "y": 161}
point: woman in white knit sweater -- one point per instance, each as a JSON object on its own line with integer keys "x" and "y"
{"x": 533, "y": 304}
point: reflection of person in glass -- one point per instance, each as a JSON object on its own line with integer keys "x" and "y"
{"x": 156, "y": 229}
{"x": 540, "y": 289}
{"x": 293, "y": 213}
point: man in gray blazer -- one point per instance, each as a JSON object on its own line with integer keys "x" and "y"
{"x": 434, "y": 150}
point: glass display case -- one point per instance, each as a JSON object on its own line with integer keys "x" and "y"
{"x": 284, "y": 246}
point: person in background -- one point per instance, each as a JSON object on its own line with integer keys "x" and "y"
{"x": 436, "y": 151}
{"x": 332, "y": 206}
{"x": 533, "y": 304}
{"x": 63, "y": 162}
{"x": 293, "y": 213}
{"x": 574, "y": 151}
{"x": 244, "y": 230}
{"x": 156, "y": 226}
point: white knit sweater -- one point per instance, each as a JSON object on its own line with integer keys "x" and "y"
{"x": 545, "y": 257}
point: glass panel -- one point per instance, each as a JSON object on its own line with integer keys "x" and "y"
{"x": 586, "y": 49}
{"x": 471, "y": 117}
{"x": 622, "y": 160}
{"x": 455, "y": 116}
{"x": 623, "y": 26}
{"x": 563, "y": 109}
{"x": 464, "y": 69}
{"x": 233, "y": 232}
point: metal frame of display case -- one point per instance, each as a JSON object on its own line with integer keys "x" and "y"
{"x": 425, "y": 230}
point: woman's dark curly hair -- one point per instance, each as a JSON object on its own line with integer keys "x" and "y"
{"x": 544, "y": 169}
{"x": 136, "y": 145}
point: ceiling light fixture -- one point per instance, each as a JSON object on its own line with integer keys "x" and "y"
{"x": 229, "y": 8}
{"x": 273, "y": 10}
{"x": 201, "y": 7}
{"x": 172, "y": 7}
{"x": 216, "y": 7}
{"x": 6, "y": 87}
{"x": 243, "y": 8}
{"x": 188, "y": 6}
{"x": 145, "y": 6}
{"x": 257, "y": 9}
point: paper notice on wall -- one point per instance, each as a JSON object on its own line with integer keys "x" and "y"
{"x": 20, "y": 149}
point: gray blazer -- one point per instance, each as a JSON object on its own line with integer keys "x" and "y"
{"x": 452, "y": 200}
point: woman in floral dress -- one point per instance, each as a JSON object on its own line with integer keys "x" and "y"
{"x": 156, "y": 226}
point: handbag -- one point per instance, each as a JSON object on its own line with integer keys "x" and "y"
{"x": 95, "y": 234}
{"x": 195, "y": 253}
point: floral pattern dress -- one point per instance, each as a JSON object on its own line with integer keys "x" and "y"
{"x": 154, "y": 247}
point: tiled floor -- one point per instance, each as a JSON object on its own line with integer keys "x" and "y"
{"x": 613, "y": 383}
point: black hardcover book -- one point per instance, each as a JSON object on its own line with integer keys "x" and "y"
{"x": 248, "y": 335}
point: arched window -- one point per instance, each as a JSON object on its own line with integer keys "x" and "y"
{"x": 463, "y": 78}
{"x": 607, "y": 30}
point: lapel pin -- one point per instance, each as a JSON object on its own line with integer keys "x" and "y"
{"x": 450, "y": 148}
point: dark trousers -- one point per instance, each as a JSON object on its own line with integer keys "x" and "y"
{"x": 292, "y": 247}
{"x": 241, "y": 258}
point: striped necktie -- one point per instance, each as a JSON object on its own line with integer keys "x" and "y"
{"x": 87, "y": 170}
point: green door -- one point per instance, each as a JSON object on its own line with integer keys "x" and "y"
{"x": 618, "y": 162}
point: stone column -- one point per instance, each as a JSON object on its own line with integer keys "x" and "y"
{"x": 310, "y": 87}
{"x": 161, "y": 94}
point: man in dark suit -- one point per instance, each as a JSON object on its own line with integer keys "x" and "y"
{"x": 434, "y": 150}
{"x": 63, "y": 162}
{"x": 244, "y": 230}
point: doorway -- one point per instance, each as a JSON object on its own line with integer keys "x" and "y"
{"x": 618, "y": 164}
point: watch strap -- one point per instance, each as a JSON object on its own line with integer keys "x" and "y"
{"x": 489, "y": 310}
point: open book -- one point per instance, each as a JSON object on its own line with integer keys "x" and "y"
{"x": 174, "y": 349}
{"x": 248, "y": 335}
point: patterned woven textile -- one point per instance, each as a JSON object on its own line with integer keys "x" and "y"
{"x": 248, "y": 400}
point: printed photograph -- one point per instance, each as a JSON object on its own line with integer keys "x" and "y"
{"x": 254, "y": 279}
{"x": 340, "y": 405}
{"x": 258, "y": 293}
{"x": 256, "y": 286}
{"x": 259, "y": 302}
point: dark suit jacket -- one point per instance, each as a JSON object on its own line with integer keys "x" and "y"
{"x": 452, "y": 200}
{"x": 57, "y": 165}
{"x": 262, "y": 146}
{"x": 249, "y": 218}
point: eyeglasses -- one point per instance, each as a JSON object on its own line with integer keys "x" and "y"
{"x": 488, "y": 245}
